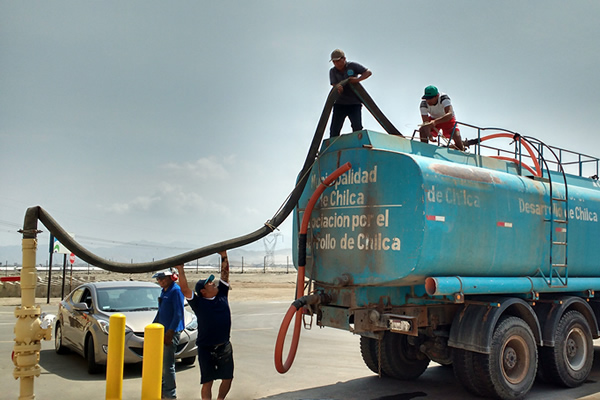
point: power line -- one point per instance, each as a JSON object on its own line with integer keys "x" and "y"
{"x": 96, "y": 241}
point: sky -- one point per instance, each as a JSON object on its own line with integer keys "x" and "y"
{"x": 188, "y": 121}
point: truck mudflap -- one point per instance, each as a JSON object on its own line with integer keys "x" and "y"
{"x": 473, "y": 326}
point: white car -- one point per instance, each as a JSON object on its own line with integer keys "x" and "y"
{"x": 83, "y": 316}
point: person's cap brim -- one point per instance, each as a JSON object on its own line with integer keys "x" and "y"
{"x": 162, "y": 274}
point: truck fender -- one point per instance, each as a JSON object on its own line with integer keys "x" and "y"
{"x": 473, "y": 326}
{"x": 549, "y": 315}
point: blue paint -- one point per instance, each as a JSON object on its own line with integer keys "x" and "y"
{"x": 407, "y": 211}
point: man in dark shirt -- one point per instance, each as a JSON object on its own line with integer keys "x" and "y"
{"x": 211, "y": 306}
{"x": 348, "y": 104}
{"x": 169, "y": 315}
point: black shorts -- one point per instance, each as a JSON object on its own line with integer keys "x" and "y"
{"x": 216, "y": 362}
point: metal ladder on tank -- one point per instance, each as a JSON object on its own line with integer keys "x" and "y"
{"x": 558, "y": 273}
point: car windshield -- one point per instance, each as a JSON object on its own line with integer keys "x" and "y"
{"x": 128, "y": 298}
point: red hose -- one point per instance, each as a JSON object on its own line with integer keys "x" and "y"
{"x": 281, "y": 367}
{"x": 536, "y": 165}
{"x": 527, "y": 167}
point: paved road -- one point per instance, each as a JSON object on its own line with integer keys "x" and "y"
{"x": 328, "y": 366}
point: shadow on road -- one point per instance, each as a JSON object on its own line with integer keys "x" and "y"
{"x": 74, "y": 367}
{"x": 436, "y": 383}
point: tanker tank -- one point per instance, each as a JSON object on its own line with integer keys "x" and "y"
{"x": 485, "y": 262}
{"x": 408, "y": 210}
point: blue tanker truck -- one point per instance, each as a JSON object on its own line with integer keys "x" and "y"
{"x": 486, "y": 263}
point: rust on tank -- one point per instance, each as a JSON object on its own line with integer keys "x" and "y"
{"x": 471, "y": 174}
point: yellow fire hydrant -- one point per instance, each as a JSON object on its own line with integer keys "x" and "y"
{"x": 29, "y": 328}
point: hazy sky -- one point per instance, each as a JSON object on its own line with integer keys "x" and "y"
{"x": 187, "y": 121}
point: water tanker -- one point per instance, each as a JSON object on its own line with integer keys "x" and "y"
{"x": 486, "y": 263}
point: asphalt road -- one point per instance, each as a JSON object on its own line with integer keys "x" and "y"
{"x": 328, "y": 366}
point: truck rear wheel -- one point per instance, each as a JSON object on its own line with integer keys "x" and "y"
{"x": 570, "y": 361}
{"x": 509, "y": 371}
{"x": 463, "y": 365}
{"x": 368, "y": 350}
{"x": 400, "y": 359}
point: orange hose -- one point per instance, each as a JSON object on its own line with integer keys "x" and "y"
{"x": 527, "y": 167}
{"x": 536, "y": 165}
{"x": 281, "y": 367}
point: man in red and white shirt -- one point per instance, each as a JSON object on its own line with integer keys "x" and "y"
{"x": 438, "y": 116}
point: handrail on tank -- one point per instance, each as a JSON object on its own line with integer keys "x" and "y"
{"x": 581, "y": 160}
{"x": 564, "y": 157}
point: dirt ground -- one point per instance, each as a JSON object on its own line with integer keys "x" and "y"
{"x": 244, "y": 287}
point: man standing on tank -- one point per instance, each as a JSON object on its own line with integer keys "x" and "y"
{"x": 438, "y": 116}
{"x": 211, "y": 306}
{"x": 348, "y": 104}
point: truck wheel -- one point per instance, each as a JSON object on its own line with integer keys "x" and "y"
{"x": 400, "y": 359}
{"x": 509, "y": 371}
{"x": 463, "y": 364}
{"x": 570, "y": 361}
{"x": 368, "y": 350}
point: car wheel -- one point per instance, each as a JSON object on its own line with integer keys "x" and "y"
{"x": 188, "y": 360}
{"x": 58, "y": 340}
{"x": 90, "y": 355}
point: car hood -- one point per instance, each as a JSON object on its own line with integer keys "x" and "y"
{"x": 138, "y": 320}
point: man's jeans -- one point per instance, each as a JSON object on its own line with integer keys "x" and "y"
{"x": 340, "y": 112}
{"x": 168, "y": 374}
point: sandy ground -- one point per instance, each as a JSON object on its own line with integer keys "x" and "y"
{"x": 244, "y": 287}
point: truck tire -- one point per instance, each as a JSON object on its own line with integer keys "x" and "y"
{"x": 400, "y": 359}
{"x": 509, "y": 371}
{"x": 463, "y": 365}
{"x": 368, "y": 350}
{"x": 570, "y": 361}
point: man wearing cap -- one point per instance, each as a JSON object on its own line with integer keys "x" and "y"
{"x": 438, "y": 115}
{"x": 211, "y": 306}
{"x": 348, "y": 104}
{"x": 169, "y": 315}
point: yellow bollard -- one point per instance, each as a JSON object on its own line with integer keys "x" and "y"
{"x": 154, "y": 342}
{"x": 115, "y": 357}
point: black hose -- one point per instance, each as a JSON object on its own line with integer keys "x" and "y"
{"x": 34, "y": 213}
{"x": 374, "y": 110}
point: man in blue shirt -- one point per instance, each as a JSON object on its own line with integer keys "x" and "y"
{"x": 348, "y": 104}
{"x": 211, "y": 306}
{"x": 170, "y": 315}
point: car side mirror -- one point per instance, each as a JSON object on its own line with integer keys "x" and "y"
{"x": 81, "y": 307}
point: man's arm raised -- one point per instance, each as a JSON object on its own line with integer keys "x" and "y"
{"x": 224, "y": 266}
{"x": 183, "y": 284}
